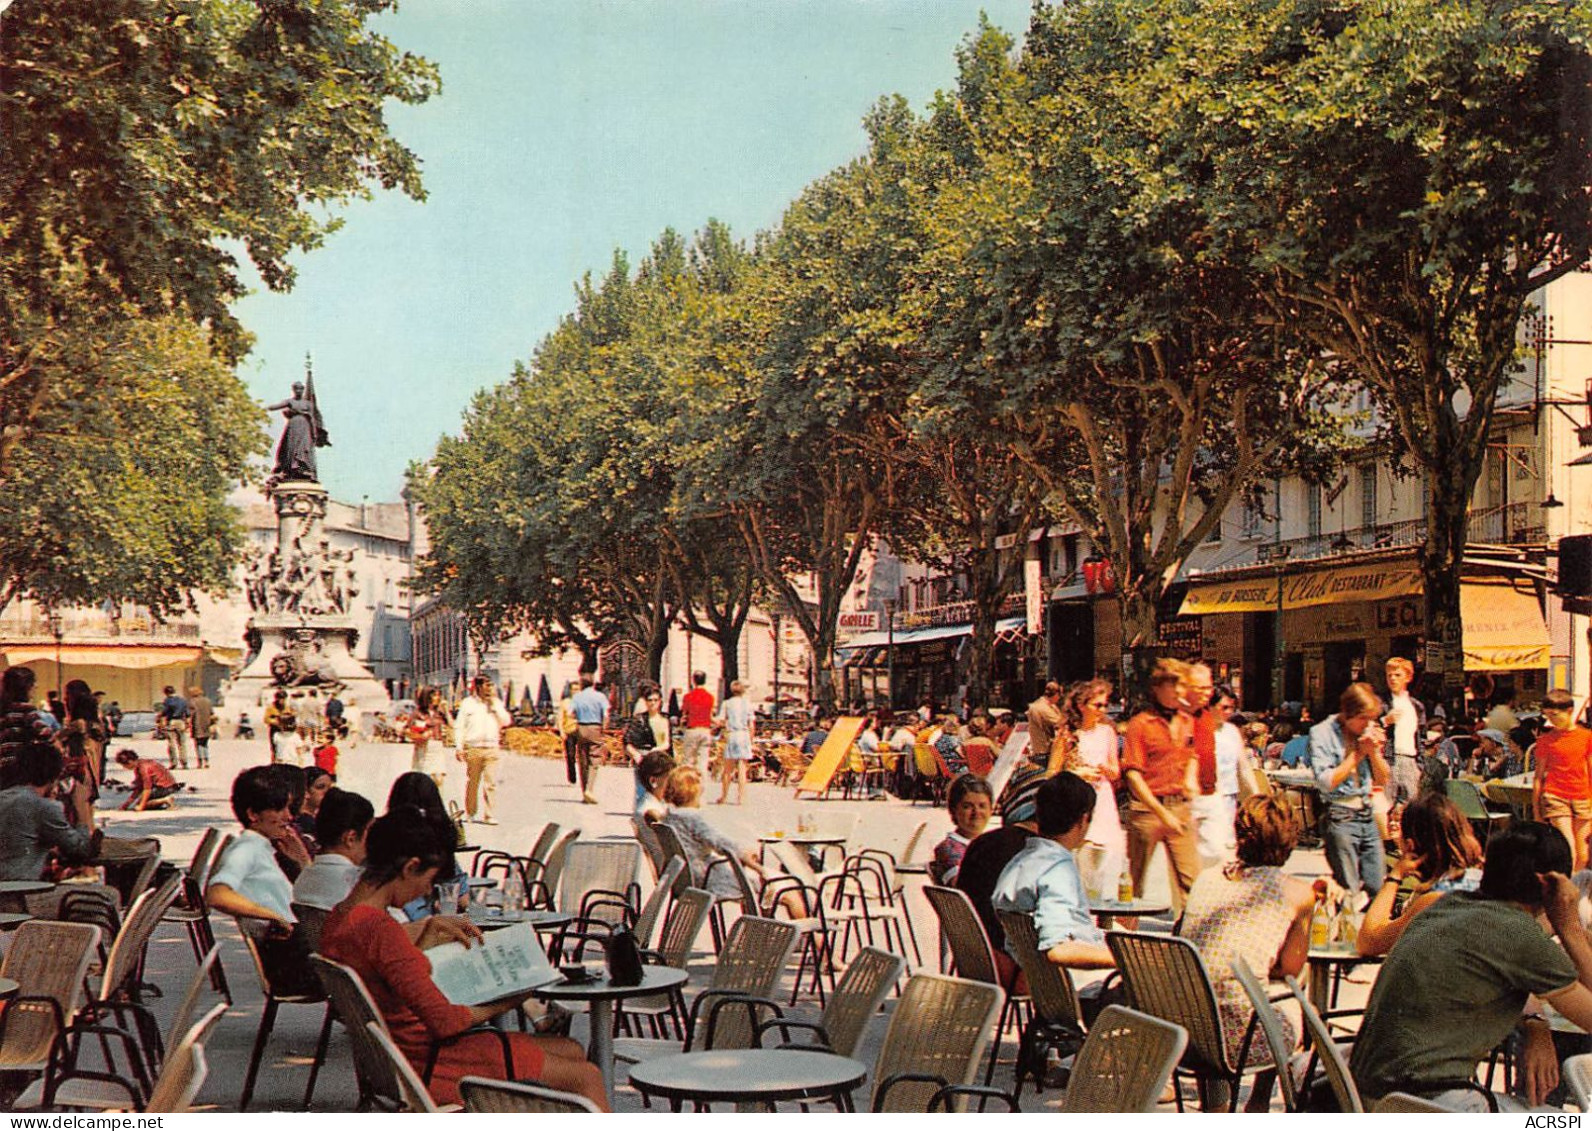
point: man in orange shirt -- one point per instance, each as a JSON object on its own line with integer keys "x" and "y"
{"x": 1157, "y": 756}
{"x": 1562, "y": 788}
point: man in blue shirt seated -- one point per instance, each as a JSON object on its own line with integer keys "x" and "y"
{"x": 1043, "y": 880}
{"x": 814, "y": 738}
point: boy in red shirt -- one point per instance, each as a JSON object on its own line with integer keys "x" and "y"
{"x": 326, "y": 753}
{"x": 1562, "y": 787}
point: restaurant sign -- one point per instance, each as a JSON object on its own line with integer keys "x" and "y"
{"x": 1376, "y": 582}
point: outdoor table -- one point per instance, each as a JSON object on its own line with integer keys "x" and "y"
{"x": 600, "y": 994}
{"x": 539, "y": 920}
{"x": 1107, "y": 910}
{"x": 816, "y": 845}
{"x": 913, "y": 868}
{"x": 8, "y": 989}
{"x": 11, "y": 920}
{"x": 1514, "y": 792}
{"x": 749, "y": 1076}
{"x": 1322, "y": 960}
{"x": 12, "y": 893}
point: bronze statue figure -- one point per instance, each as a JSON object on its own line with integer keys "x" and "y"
{"x": 305, "y": 431}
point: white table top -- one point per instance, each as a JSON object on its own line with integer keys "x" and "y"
{"x": 653, "y": 980}
{"x": 735, "y": 1074}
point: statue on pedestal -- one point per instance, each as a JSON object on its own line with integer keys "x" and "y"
{"x": 305, "y": 431}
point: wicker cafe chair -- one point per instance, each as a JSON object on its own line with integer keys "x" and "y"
{"x": 650, "y": 845}
{"x": 193, "y": 912}
{"x": 857, "y": 997}
{"x": 1402, "y": 1103}
{"x": 1327, "y": 1051}
{"x": 185, "y": 1069}
{"x": 652, "y": 910}
{"x": 934, "y": 1043}
{"x": 975, "y": 959}
{"x": 680, "y": 930}
{"x": 1577, "y": 1073}
{"x": 1056, "y": 1019}
{"x": 536, "y": 862}
{"x": 1125, "y": 1063}
{"x": 66, "y": 1084}
{"x": 540, "y": 889}
{"x": 413, "y": 1095}
{"x": 1166, "y": 978}
{"x": 749, "y": 966}
{"x": 274, "y": 1000}
{"x": 48, "y": 961}
{"x": 672, "y": 845}
{"x": 815, "y": 937}
{"x": 598, "y": 881}
{"x": 379, "y": 1085}
{"x": 1271, "y": 1027}
{"x": 501, "y": 1097}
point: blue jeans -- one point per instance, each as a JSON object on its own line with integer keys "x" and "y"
{"x": 1354, "y": 848}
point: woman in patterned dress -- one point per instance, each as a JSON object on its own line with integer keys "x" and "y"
{"x": 1249, "y": 909}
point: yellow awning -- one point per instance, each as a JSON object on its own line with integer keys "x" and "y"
{"x": 1503, "y": 628}
{"x": 134, "y": 656}
{"x": 1370, "y": 582}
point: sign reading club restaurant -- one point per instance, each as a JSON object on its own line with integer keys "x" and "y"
{"x": 1323, "y": 587}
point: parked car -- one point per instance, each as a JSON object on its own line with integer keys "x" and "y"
{"x": 134, "y": 724}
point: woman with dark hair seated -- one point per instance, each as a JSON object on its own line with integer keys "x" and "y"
{"x": 1438, "y": 847}
{"x": 418, "y": 791}
{"x": 404, "y": 854}
{"x": 1249, "y": 909}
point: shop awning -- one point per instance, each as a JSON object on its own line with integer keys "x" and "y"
{"x": 134, "y": 656}
{"x": 923, "y": 635}
{"x": 1377, "y": 581}
{"x": 1503, "y": 628}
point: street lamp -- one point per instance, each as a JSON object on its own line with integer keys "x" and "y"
{"x": 53, "y": 615}
{"x": 890, "y": 688}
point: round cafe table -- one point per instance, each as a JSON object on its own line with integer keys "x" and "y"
{"x": 8, "y": 989}
{"x": 599, "y": 994}
{"x": 1322, "y": 961}
{"x": 13, "y": 893}
{"x": 1107, "y": 911}
{"x": 749, "y": 1076}
{"x": 11, "y": 920}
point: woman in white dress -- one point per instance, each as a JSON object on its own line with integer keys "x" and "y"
{"x": 1092, "y": 755}
{"x": 739, "y": 725}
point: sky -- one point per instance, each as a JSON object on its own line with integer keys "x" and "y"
{"x": 566, "y": 129}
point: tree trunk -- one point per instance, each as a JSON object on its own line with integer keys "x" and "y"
{"x": 981, "y": 655}
{"x": 1140, "y": 642}
{"x": 1442, "y": 564}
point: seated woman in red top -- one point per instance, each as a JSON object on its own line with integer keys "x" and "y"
{"x": 403, "y": 854}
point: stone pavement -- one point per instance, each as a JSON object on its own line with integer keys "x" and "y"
{"x": 531, "y": 792}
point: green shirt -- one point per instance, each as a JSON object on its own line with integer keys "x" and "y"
{"x": 1453, "y": 987}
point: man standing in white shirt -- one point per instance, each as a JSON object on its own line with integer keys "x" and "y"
{"x": 1404, "y": 722}
{"x": 477, "y": 734}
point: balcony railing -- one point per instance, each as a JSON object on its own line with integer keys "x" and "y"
{"x": 1514, "y": 524}
{"x": 26, "y": 623}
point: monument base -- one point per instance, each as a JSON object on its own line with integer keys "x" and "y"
{"x": 302, "y": 636}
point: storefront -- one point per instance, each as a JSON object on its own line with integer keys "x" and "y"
{"x": 910, "y": 666}
{"x": 1340, "y": 623}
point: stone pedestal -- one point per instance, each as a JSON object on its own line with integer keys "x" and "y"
{"x": 302, "y": 636}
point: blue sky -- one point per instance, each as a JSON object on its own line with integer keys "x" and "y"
{"x": 565, "y": 129}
